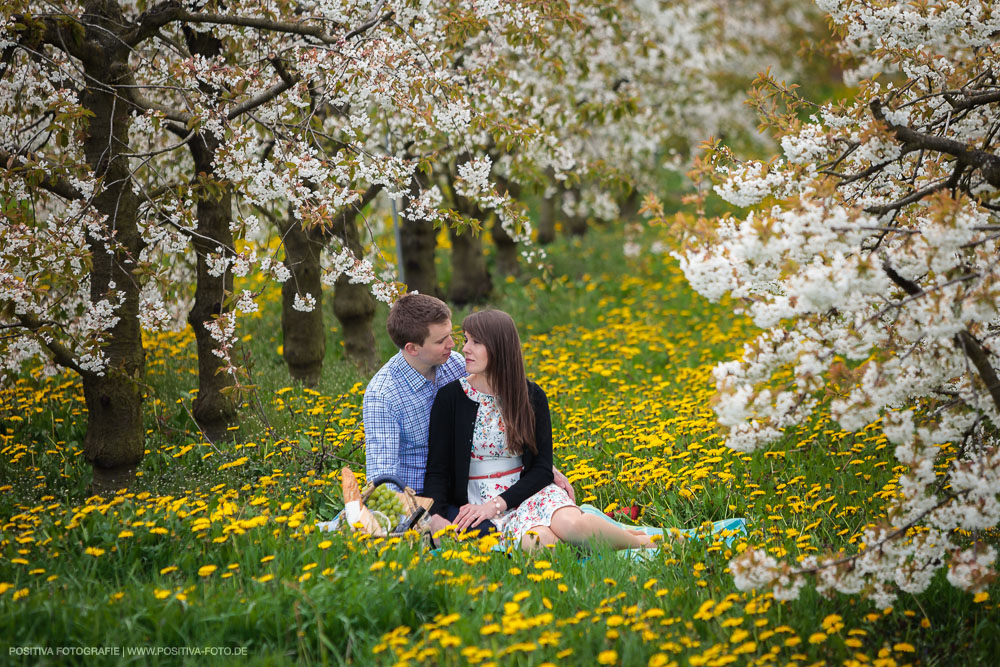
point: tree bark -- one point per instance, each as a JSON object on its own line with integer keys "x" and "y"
{"x": 213, "y": 410}
{"x": 470, "y": 278}
{"x": 115, "y": 440}
{"x": 418, "y": 240}
{"x": 547, "y": 218}
{"x": 303, "y": 333}
{"x": 354, "y": 305}
{"x": 576, "y": 224}
{"x": 507, "y": 255}
{"x": 628, "y": 206}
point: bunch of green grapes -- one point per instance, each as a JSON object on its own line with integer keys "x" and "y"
{"x": 385, "y": 500}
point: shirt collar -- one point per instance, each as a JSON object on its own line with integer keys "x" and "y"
{"x": 410, "y": 374}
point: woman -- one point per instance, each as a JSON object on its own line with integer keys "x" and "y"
{"x": 490, "y": 449}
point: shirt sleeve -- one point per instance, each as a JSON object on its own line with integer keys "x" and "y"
{"x": 381, "y": 439}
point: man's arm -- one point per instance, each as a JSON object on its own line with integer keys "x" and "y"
{"x": 560, "y": 480}
{"x": 381, "y": 439}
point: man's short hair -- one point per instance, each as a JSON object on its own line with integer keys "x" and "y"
{"x": 411, "y": 316}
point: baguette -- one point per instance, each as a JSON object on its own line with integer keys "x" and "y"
{"x": 349, "y": 484}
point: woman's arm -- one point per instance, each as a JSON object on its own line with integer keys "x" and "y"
{"x": 538, "y": 474}
{"x": 440, "y": 445}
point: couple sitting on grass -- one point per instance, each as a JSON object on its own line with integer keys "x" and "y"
{"x": 473, "y": 433}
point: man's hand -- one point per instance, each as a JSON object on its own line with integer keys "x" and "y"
{"x": 438, "y": 523}
{"x": 563, "y": 483}
{"x": 470, "y": 516}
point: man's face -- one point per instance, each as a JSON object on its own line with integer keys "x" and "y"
{"x": 437, "y": 346}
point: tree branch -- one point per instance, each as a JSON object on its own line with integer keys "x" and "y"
{"x": 985, "y": 162}
{"x": 971, "y": 101}
{"x": 347, "y": 215}
{"x": 908, "y": 199}
{"x": 151, "y": 20}
{"x": 287, "y": 81}
{"x": 53, "y": 184}
{"x": 964, "y": 340}
{"x": 62, "y": 355}
{"x": 372, "y": 21}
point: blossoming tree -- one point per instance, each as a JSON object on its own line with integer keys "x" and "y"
{"x": 868, "y": 257}
{"x": 134, "y": 131}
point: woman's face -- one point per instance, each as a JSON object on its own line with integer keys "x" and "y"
{"x": 475, "y": 355}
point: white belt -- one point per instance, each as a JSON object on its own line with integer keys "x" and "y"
{"x": 493, "y": 467}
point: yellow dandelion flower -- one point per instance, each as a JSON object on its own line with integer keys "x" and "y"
{"x": 982, "y": 596}
{"x": 325, "y": 544}
{"x": 94, "y": 551}
{"x": 903, "y": 647}
{"x": 206, "y": 570}
{"x": 168, "y": 569}
{"x": 160, "y": 593}
{"x": 607, "y": 657}
{"x": 263, "y": 580}
{"x": 23, "y": 593}
{"x": 125, "y": 533}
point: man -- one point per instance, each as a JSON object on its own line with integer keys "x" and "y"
{"x": 398, "y": 400}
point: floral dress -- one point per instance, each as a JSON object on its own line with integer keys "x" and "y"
{"x": 489, "y": 451}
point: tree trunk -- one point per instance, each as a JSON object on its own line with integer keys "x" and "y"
{"x": 506, "y": 250}
{"x": 576, "y": 223}
{"x": 354, "y": 305}
{"x": 507, "y": 253}
{"x": 114, "y": 444}
{"x": 470, "y": 278}
{"x": 213, "y": 409}
{"x": 628, "y": 207}
{"x": 303, "y": 333}
{"x": 418, "y": 240}
{"x": 547, "y": 218}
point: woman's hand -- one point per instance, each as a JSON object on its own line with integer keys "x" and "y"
{"x": 563, "y": 483}
{"x": 470, "y": 516}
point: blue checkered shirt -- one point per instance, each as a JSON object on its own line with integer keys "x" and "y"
{"x": 397, "y": 415}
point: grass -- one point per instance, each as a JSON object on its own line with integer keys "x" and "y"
{"x": 217, "y": 547}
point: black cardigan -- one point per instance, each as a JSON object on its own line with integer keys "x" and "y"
{"x": 453, "y": 418}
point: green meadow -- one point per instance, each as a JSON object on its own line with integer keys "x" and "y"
{"x": 215, "y": 548}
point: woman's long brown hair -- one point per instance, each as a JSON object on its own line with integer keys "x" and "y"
{"x": 496, "y": 330}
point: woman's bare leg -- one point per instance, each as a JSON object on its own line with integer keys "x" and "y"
{"x": 571, "y": 525}
{"x": 538, "y": 538}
